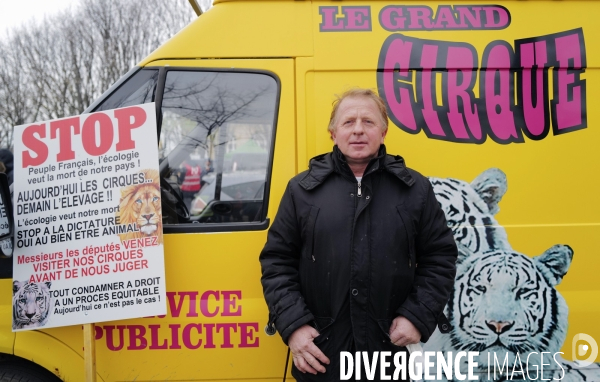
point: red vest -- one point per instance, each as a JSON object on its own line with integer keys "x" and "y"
{"x": 191, "y": 182}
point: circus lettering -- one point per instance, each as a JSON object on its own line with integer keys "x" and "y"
{"x": 476, "y": 101}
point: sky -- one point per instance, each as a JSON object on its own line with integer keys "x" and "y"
{"x": 17, "y": 12}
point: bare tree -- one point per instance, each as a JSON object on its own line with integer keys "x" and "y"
{"x": 19, "y": 100}
{"x": 57, "y": 67}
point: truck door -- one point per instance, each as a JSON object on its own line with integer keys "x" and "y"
{"x": 227, "y": 149}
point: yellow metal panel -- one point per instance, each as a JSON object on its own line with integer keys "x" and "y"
{"x": 552, "y": 182}
{"x": 245, "y": 29}
{"x": 52, "y": 353}
{"x": 214, "y": 281}
{"x": 305, "y": 117}
{"x": 7, "y": 337}
{"x": 359, "y": 50}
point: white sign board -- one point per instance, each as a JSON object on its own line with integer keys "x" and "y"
{"x": 88, "y": 221}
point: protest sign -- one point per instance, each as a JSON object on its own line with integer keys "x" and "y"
{"x": 88, "y": 221}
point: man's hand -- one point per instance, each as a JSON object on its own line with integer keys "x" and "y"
{"x": 305, "y": 353}
{"x": 403, "y": 332}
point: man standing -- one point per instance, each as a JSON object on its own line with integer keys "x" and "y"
{"x": 359, "y": 257}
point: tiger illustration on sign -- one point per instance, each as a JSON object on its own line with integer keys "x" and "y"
{"x": 503, "y": 303}
{"x": 31, "y": 304}
{"x": 140, "y": 206}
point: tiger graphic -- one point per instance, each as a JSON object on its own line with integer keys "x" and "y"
{"x": 470, "y": 209}
{"x": 506, "y": 303}
{"x": 31, "y": 304}
{"x": 503, "y": 301}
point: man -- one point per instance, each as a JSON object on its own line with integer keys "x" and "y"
{"x": 359, "y": 256}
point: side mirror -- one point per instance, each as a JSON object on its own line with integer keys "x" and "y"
{"x": 6, "y": 218}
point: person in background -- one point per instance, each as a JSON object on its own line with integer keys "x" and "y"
{"x": 359, "y": 256}
{"x": 192, "y": 174}
{"x": 6, "y": 164}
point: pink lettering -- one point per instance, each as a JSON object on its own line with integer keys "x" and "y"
{"x": 498, "y": 89}
{"x": 175, "y": 307}
{"x": 496, "y": 17}
{"x": 247, "y": 334}
{"x": 420, "y": 17}
{"x": 396, "y": 67}
{"x": 391, "y": 18}
{"x": 428, "y": 62}
{"x": 154, "y": 338}
{"x": 194, "y": 335}
{"x": 447, "y": 17}
{"x": 230, "y": 297}
{"x": 463, "y": 117}
{"x": 227, "y": 328}
{"x": 460, "y": 81}
{"x": 174, "y": 336}
{"x": 357, "y": 18}
{"x": 330, "y": 21}
{"x": 533, "y": 90}
{"x": 444, "y": 19}
{"x": 204, "y": 303}
{"x": 137, "y": 341}
{"x": 470, "y": 17}
{"x": 569, "y": 90}
{"x": 187, "y": 335}
{"x": 210, "y": 342}
{"x": 110, "y": 341}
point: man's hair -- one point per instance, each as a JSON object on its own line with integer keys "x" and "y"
{"x": 356, "y": 93}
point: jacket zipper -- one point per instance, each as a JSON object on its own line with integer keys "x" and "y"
{"x": 359, "y": 193}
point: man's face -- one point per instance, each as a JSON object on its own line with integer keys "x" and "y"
{"x": 358, "y": 131}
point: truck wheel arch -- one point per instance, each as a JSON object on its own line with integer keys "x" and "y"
{"x": 52, "y": 354}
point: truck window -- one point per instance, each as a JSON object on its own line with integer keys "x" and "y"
{"x": 215, "y": 143}
{"x": 138, "y": 89}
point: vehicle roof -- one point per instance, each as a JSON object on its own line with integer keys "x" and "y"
{"x": 236, "y": 29}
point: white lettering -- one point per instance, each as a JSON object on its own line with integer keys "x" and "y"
{"x": 442, "y": 363}
{"x": 536, "y": 367}
{"x": 399, "y": 365}
{"x": 559, "y": 365}
{"x": 415, "y": 367}
{"x": 472, "y": 365}
{"x": 427, "y": 364}
{"x": 542, "y": 367}
{"x": 459, "y": 376}
{"x": 370, "y": 366}
{"x": 346, "y": 365}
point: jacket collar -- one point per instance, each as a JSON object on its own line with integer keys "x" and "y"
{"x": 321, "y": 166}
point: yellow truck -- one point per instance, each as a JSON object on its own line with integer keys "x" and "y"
{"x": 489, "y": 100}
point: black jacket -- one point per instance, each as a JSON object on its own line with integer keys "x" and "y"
{"x": 348, "y": 261}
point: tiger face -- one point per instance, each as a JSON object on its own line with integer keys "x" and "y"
{"x": 470, "y": 209}
{"x": 140, "y": 204}
{"x": 505, "y": 302}
{"x": 31, "y": 304}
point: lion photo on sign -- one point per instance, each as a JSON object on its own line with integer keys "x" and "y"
{"x": 140, "y": 208}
